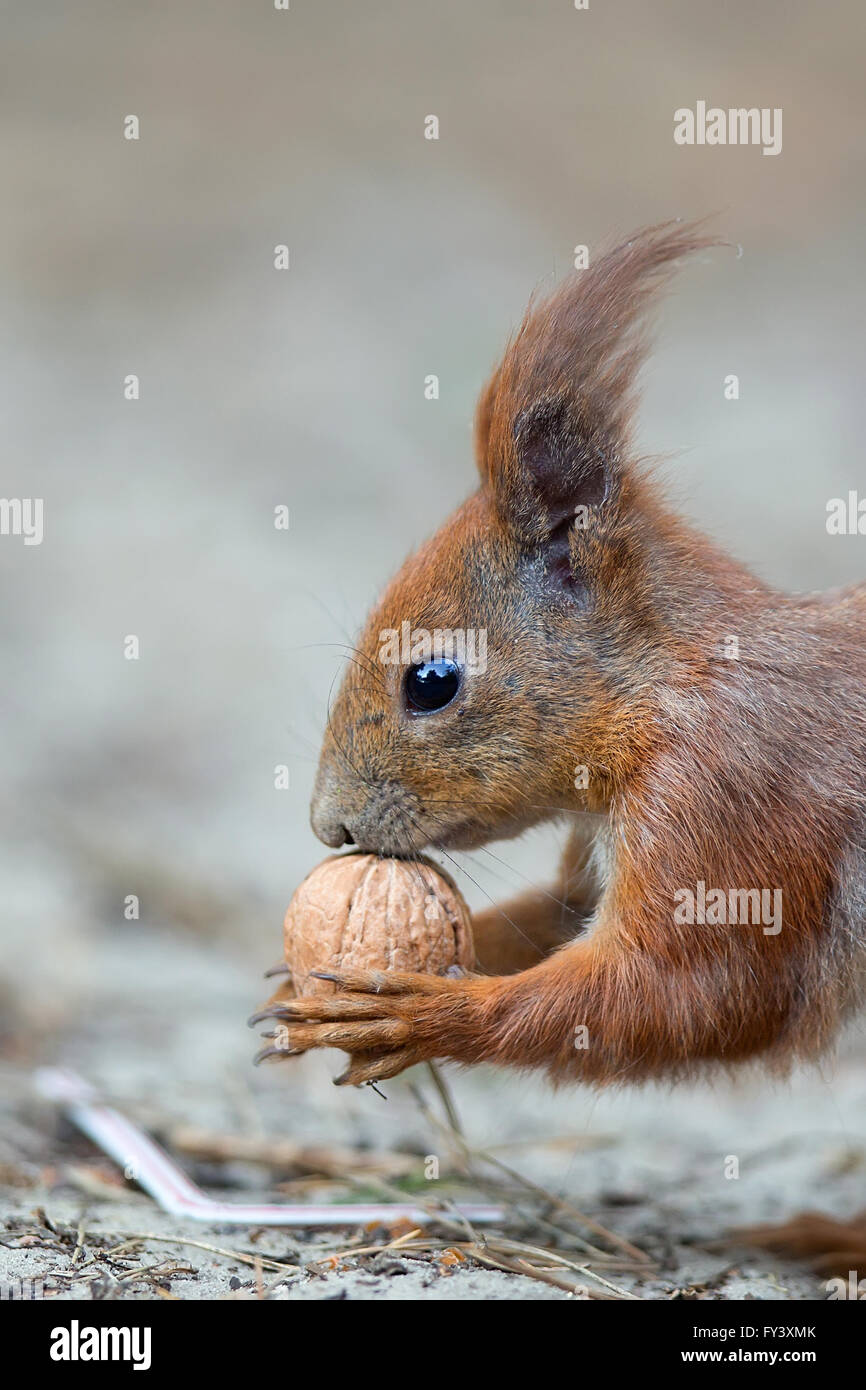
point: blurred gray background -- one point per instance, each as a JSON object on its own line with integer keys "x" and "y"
{"x": 156, "y": 777}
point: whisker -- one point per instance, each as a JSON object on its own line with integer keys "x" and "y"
{"x": 496, "y": 906}
{"x": 530, "y": 805}
{"x": 317, "y": 598}
{"x": 409, "y": 851}
{"x": 370, "y": 669}
{"x": 560, "y": 902}
{"x": 365, "y": 780}
{"x": 294, "y": 733}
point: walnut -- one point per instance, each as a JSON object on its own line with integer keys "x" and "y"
{"x": 357, "y": 911}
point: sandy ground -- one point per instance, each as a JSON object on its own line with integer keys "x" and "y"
{"x": 155, "y": 778}
{"x": 650, "y": 1165}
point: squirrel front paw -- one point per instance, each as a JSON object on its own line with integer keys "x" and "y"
{"x": 386, "y": 1021}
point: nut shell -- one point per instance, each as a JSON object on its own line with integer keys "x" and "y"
{"x": 357, "y": 911}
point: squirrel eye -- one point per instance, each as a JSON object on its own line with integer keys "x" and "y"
{"x": 432, "y": 685}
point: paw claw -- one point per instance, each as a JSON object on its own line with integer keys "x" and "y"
{"x": 266, "y": 1052}
{"x": 275, "y": 1011}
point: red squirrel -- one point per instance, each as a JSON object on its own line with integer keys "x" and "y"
{"x": 703, "y": 735}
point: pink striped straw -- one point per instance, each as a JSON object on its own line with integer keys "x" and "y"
{"x": 160, "y": 1176}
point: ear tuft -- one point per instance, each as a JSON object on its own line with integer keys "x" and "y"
{"x": 552, "y": 423}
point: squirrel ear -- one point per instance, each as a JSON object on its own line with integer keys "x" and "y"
{"x": 564, "y": 469}
{"x": 563, "y": 477}
{"x": 552, "y": 423}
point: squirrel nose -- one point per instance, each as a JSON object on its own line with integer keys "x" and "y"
{"x": 328, "y": 816}
{"x": 331, "y": 832}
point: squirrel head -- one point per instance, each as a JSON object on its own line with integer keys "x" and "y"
{"x": 503, "y": 677}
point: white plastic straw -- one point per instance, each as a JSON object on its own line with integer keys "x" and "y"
{"x": 160, "y": 1176}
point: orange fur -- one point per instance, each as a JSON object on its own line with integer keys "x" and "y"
{"x": 606, "y": 649}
